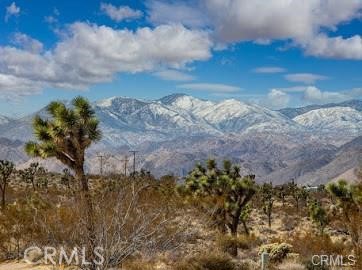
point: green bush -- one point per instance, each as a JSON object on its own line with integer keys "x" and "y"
{"x": 277, "y": 252}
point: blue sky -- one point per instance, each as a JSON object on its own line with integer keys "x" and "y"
{"x": 276, "y": 53}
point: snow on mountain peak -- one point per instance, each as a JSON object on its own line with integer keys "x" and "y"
{"x": 334, "y": 118}
{"x": 105, "y": 102}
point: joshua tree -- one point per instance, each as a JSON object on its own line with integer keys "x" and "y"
{"x": 282, "y": 192}
{"x": 228, "y": 189}
{"x": 319, "y": 215}
{"x": 66, "y": 135}
{"x": 6, "y": 169}
{"x": 298, "y": 193}
{"x": 30, "y": 174}
{"x": 267, "y": 196}
{"x": 349, "y": 200}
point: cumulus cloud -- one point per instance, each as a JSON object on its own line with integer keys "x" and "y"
{"x": 305, "y": 95}
{"x": 314, "y": 95}
{"x": 335, "y": 47}
{"x": 276, "y": 99}
{"x": 303, "y": 22}
{"x": 307, "y": 78}
{"x": 90, "y": 54}
{"x": 269, "y": 70}
{"x": 173, "y": 75}
{"x": 211, "y": 87}
{"x": 12, "y": 10}
{"x": 27, "y": 43}
{"x": 120, "y": 13}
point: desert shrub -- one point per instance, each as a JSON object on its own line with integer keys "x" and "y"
{"x": 225, "y": 242}
{"x": 207, "y": 262}
{"x": 277, "y": 252}
{"x": 309, "y": 244}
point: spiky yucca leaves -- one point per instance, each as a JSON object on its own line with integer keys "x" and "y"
{"x": 66, "y": 135}
{"x": 349, "y": 201}
{"x": 226, "y": 189}
{"x": 6, "y": 169}
{"x": 318, "y": 215}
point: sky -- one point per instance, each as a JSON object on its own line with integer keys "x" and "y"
{"x": 277, "y": 53}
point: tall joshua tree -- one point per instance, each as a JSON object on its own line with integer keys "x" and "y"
{"x": 66, "y": 135}
{"x": 226, "y": 189}
{"x": 6, "y": 169}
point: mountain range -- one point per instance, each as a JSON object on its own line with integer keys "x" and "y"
{"x": 174, "y": 132}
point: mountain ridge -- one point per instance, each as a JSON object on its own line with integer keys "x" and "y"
{"x": 174, "y": 132}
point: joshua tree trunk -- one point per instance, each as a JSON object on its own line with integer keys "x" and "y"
{"x": 3, "y": 199}
{"x": 269, "y": 219}
{"x": 245, "y": 227}
{"x": 89, "y": 215}
{"x": 234, "y": 230}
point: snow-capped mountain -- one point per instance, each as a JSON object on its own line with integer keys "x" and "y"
{"x": 294, "y": 112}
{"x": 173, "y": 132}
{"x": 334, "y": 119}
{"x": 133, "y": 121}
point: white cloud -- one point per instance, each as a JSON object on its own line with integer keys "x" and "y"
{"x": 276, "y": 99}
{"x": 12, "y": 10}
{"x": 162, "y": 12}
{"x": 302, "y": 22}
{"x": 90, "y": 54}
{"x": 27, "y": 43}
{"x": 307, "y": 78}
{"x": 269, "y": 70}
{"x": 315, "y": 95}
{"x": 335, "y": 47}
{"x": 211, "y": 87}
{"x": 312, "y": 95}
{"x": 173, "y": 75}
{"x": 120, "y": 13}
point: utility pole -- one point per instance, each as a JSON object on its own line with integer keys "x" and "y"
{"x": 101, "y": 164}
{"x": 134, "y": 162}
{"x": 125, "y": 161}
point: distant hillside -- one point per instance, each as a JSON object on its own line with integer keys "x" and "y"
{"x": 293, "y": 112}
